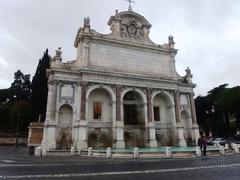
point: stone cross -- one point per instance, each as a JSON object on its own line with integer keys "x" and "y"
{"x": 129, "y": 7}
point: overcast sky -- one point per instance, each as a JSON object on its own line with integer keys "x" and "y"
{"x": 206, "y": 32}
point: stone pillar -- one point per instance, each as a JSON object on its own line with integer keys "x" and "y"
{"x": 180, "y": 137}
{"x": 119, "y": 128}
{"x": 195, "y": 128}
{"x": 120, "y": 143}
{"x": 85, "y": 50}
{"x": 82, "y": 135}
{"x": 179, "y": 127}
{"x": 149, "y": 105}
{"x": 151, "y": 126}
{"x": 82, "y": 125}
{"x": 76, "y": 114}
{"x": 192, "y": 106}
{"x": 177, "y": 106}
{"x": 152, "y": 135}
{"x": 51, "y": 101}
{"x": 118, "y": 102}
{"x": 83, "y": 101}
{"x": 49, "y": 133}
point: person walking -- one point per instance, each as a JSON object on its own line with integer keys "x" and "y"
{"x": 200, "y": 143}
{"x": 204, "y": 145}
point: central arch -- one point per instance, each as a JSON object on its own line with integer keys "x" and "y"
{"x": 134, "y": 119}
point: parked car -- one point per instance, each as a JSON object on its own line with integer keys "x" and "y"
{"x": 220, "y": 141}
{"x": 209, "y": 141}
{"x": 237, "y": 136}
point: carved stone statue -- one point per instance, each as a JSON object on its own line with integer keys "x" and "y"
{"x": 124, "y": 32}
{"x": 188, "y": 76}
{"x": 87, "y": 21}
{"x": 131, "y": 29}
{"x": 58, "y": 52}
{"x": 170, "y": 41}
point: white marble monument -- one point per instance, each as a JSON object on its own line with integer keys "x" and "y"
{"x": 121, "y": 91}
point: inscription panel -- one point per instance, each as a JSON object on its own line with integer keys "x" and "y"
{"x": 129, "y": 60}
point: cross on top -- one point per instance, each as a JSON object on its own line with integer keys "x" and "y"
{"x": 129, "y": 7}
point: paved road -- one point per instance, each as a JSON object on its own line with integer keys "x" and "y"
{"x": 16, "y": 164}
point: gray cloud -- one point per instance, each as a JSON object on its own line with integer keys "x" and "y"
{"x": 207, "y": 33}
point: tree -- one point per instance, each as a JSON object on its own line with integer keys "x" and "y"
{"x": 229, "y": 100}
{"x": 21, "y": 86}
{"x": 210, "y": 114}
{"x": 40, "y": 87}
{"x": 15, "y": 103}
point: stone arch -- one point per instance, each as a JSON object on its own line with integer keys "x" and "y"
{"x": 100, "y": 129}
{"x": 168, "y": 105}
{"x": 144, "y": 99}
{"x": 164, "y": 117}
{"x": 134, "y": 117}
{"x": 65, "y": 121}
{"x": 165, "y": 94}
{"x": 107, "y": 88}
{"x": 64, "y": 104}
{"x": 103, "y": 96}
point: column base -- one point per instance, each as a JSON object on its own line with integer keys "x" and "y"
{"x": 182, "y": 143}
{"x": 120, "y": 144}
{"x": 153, "y": 143}
{"x": 82, "y": 144}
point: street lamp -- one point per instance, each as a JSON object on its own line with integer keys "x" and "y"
{"x": 17, "y": 125}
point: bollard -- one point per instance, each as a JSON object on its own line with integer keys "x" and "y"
{"x": 168, "y": 152}
{"x": 236, "y": 150}
{"x": 44, "y": 151}
{"x": 89, "y": 151}
{"x": 222, "y": 150}
{"x": 198, "y": 151}
{"x": 72, "y": 151}
{"x": 235, "y": 147}
{"x": 38, "y": 151}
{"x": 79, "y": 150}
{"x": 226, "y": 146}
{"x": 135, "y": 152}
{"x": 108, "y": 152}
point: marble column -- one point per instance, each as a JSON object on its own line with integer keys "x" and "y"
{"x": 149, "y": 105}
{"x": 49, "y": 134}
{"x": 179, "y": 127}
{"x": 119, "y": 128}
{"x": 192, "y": 106}
{"x": 177, "y": 106}
{"x": 195, "y": 128}
{"x": 49, "y": 111}
{"x": 82, "y": 132}
{"x": 83, "y": 101}
{"x": 118, "y": 103}
{"x": 76, "y": 117}
{"x": 151, "y": 126}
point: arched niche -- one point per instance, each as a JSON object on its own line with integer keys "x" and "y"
{"x": 65, "y": 119}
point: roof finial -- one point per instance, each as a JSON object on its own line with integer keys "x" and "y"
{"x": 130, "y": 7}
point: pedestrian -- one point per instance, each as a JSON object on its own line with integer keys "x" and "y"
{"x": 204, "y": 145}
{"x": 200, "y": 144}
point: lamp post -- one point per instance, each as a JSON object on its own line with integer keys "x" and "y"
{"x": 17, "y": 125}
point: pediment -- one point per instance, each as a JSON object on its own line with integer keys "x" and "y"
{"x": 130, "y": 26}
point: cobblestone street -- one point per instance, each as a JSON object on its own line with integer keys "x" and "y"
{"x": 16, "y": 164}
